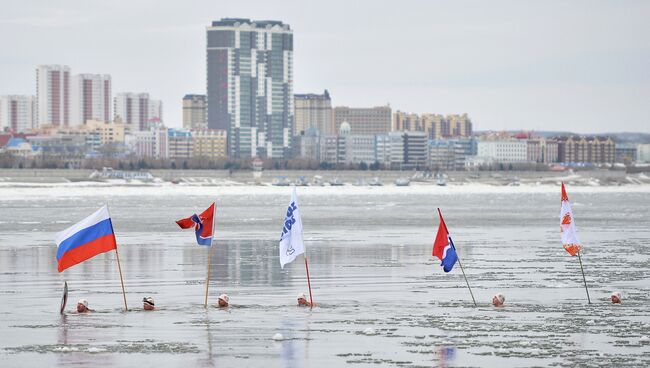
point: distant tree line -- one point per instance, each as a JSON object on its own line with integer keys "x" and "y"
{"x": 133, "y": 163}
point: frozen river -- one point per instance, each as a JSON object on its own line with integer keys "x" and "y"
{"x": 382, "y": 299}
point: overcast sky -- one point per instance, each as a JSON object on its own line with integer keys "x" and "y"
{"x": 582, "y": 66}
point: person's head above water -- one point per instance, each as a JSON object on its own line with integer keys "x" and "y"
{"x": 223, "y": 300}
{"x": 616, "y": 298}
{"x": 147, "y": 303}
{"x": 82, "y": 306}
{"x": 302, "y": 300}
{"x": 498, "y": 300}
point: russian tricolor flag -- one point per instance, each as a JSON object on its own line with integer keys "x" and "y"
{"x": 85, "y": 239}
{"x": 202, "y": 224}
{"x": 443, "y": 247}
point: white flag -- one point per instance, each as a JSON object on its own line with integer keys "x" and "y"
{"x": 568, "y": 226}
{"x": 291, "y": 238}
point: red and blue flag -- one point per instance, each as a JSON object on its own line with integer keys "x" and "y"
{"x": 443, "y": 247}
{"x": 202, "y": 224}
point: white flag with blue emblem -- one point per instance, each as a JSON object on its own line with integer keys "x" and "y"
{"x": 291, "y": 238}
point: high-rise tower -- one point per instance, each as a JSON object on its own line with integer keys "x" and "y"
{"x": 250, "y": 85}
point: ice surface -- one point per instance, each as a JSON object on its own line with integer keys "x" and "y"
{"x": 370, "y": 261}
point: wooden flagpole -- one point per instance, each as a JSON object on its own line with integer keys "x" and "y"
{"x": 119, "y": 267}
{"x": 584, "y": 279}
{"x": 207, "y": 280}
{"x": 458, "y": 258}
{"x": 311, "y": 300}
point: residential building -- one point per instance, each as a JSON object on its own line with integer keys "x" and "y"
{"x": 358, "y": 149}
{"x": 17, "y": 113}
{"x": 179, "y": 143}
{"x": 625, "y": 153}
{"x": 382, "y": 149}
{"x": 643, "y": 153}
{"x": 108, "y": 133}
{"x": 94, "y": 133}
{"x": 346, "y": 148}
{"x": 209, "y": 143}
{"x": 329, "y": 149}
{"x": 432, "y": 125}
{"x": 69, "y": 147}
{"x": 405, "y": 121}
{"x": 250, "y": 85}
{"x": 450, "y": 154}
{"x": 195, "y": 112}
{"x": 313, "y": 111}
{"x": 510, "y": 151}
{"x": 436, "y": 126}
{"x": 593, "y": 150}
{"x": 458, "y": 126}
{"x": 149, "y": 143}
{"x": 53, "y": 95}
{"x": 550, "y": 151}
{"x": 363, "y": 121}
{"x": 155, "y": 111}
{"x": 307, "y": 145}
{"x": 19, "y": 147}
{"x": 535, "y": 150}
{"x": 409, "y": 150}
{"x": 90, "y": 98}
{"x": 133, "y": 110}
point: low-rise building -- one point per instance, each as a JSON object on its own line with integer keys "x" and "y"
{"x": 450, "y": 154}
{"x": 643, "y": 153}
{"x": 179, "y": 143}
{"x": 510, "y": 151}
{"x": 409, "y": 150}
{"x": 625, "y": 153}
{"x": 151, "y": 143}
{"x": 19, "y": 147}
{"x": 307, "y": 145}
{"x": 209, "y": 143}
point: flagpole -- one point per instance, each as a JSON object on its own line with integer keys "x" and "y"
{"x": 119, "y": 267}
{"x": 458, "y": 258}
{"x": 583, "y": 278}
{"x": 207, "y": 280}
{"x": 470, "y": 289}
{"x": 311, "y": 300}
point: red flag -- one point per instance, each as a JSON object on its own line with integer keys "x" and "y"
{"x": 202, "y": 224}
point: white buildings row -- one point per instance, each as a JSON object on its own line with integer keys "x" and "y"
{"x": 63, "y": 99}
{"x": 400, "y": 150}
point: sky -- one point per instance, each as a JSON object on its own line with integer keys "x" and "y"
{"x": 581, "y": 66}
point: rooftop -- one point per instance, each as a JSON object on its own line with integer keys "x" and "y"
{"x": 234, "y": 22}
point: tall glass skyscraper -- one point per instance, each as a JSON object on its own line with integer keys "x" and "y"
{"x": 250, "y": 85}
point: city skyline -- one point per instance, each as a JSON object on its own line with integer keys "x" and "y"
{"x": 534, "y": 66}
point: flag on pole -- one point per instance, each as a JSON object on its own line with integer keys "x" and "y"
{"x": 202, "y": 224}
{"x": 291, "y": 244}
{"x": 570, "y": 239}
{"x": 443, "y": 247}
{"x": 85, "y": 239}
